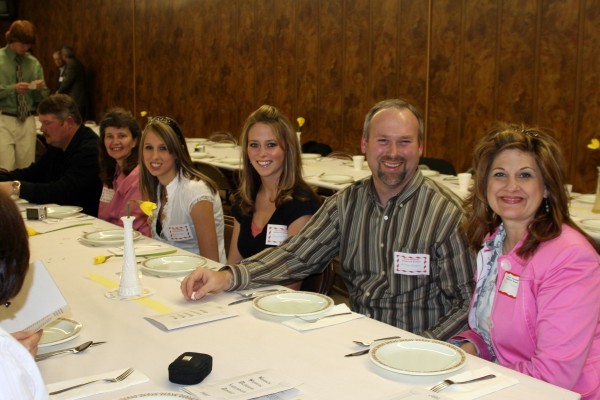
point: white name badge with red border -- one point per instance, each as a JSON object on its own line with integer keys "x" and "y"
{"x": 180, "y": 232}
{"x": 107, "y": 195}
{"x": 411, "y": 264}
{"x": 276, "y": 234}
{"x": 510, "y": 285}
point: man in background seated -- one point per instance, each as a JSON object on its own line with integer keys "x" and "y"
{"x": 60, "y": 69}
{"x": 402, "y": 257}
{"x": 68, "y": 173}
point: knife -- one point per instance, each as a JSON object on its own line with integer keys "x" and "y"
{"x": 358, "y": 353}
{"x": 242, "y": 300}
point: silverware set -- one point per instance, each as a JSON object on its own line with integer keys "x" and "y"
{"x": 448, "y": 382}
{"x": 367, "y": 344}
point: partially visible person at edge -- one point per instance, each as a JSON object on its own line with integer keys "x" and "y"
{"x": 377, "y": 225}
{"x": 189, "y": 214}
{"x": 68, "y": 172}
{"x": 119, "y": 170}
{"x": 536, "y": 304}
{"x": 20, "y": 377}
{"x": 21, "y": 81}
{"x": 60, "y": 68}
{"x": 273, "y": 201}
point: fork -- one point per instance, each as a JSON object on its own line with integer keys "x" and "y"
{"x": 447, "y": 382}
{"x": 361, "y": 343}
{"x": 117, "y": 379}
{"x": 254, "y": 294}
{"x": 312, "y": 321}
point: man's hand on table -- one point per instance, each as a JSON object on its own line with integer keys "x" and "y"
{"x": 204, "y": 281}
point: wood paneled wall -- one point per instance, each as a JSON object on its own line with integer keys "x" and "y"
{"x": 464, "y": 63}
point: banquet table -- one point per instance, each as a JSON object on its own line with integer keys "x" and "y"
{"x": 248, "y": 342}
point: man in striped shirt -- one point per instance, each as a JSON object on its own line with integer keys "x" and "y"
{"x": 402, "y": 257}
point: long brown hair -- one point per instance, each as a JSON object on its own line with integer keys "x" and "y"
{"x": 168, "y": 130}
{"x": 14, "y": 249}
{"x": 291, "y": 183}
{"x": 545, "y": 226}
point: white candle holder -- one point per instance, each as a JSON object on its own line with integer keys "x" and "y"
{"x": 130, "y": 284}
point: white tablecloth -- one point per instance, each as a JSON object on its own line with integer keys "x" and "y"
{"x": 239, "y": 345}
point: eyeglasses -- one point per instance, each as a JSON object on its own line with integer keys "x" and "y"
{"x": 173, "y": 125}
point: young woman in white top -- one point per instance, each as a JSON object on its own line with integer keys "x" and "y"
{"x": 19, "y": 374}
{"x": 189, "y": 214}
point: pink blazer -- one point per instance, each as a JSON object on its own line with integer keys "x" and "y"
{"x": 550, "y": 328}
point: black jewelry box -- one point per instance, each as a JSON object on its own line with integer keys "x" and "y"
{"x": 190, "y": 368}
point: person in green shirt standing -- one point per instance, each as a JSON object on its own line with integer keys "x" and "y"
{"x": 22, "y": 87}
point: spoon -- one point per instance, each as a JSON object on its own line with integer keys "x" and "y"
{"x": 254, "y": 294}
{"x": 76, "y": 349}
{"x": 373, "y": 341}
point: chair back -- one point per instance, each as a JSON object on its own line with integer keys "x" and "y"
{"x": 341, "y": 155}
{"x": 224, "y": 185}
{"x": 438, "y": 164}
{"x": 222, "y": 137}
{"x": 319, "y": 283}
{"x": 228, "y": 233}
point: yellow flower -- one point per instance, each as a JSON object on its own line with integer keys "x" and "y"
{"x": 31, "y": 231}
{"x": 594, "y": 144}
{"x": 146, "y": 206}
{"x": 301, "y": 122}
{"x": 144, "y": 113}
{"x": 100, "y": 259}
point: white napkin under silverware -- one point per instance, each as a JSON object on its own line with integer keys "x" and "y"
{"x": 135, "y": 378}
{"x": 300, "y": 325}
{"x": 475, "y": 390}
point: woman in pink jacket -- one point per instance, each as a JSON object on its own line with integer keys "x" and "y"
{"x": 536, "y": 306}
{"x": 119, "y": 170}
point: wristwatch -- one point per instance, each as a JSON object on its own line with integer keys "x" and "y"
{"x": 16, "y": 186}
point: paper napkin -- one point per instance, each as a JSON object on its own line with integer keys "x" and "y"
{"x": 95, "y": 388}
{"x": 475, "y": 390}
{"x": 301, "y": 325}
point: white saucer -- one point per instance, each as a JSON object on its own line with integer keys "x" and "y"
{"x": 107, "y": 238}
{"x": 289, "y": 304}
{"x": 59, "y": 331}
{"x": 62, "y": 211}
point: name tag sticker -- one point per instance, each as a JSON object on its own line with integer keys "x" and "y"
{"x": 276, "y": 234}
{"x": 107, "y": 195}
{"x": 510, "y": 285}
{"x": 411, "y": 264}
{"x": 180, "y": 232}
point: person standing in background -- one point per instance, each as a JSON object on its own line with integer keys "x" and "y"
{"x": 73, "y": 82}
{"x": 22, "y": 87}
{"x": 60, "y": 72}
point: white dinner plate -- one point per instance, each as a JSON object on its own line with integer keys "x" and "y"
{"x": 289, "y": 304}
{"x": 159, "y": 396}
{"x": 311, "y": 156}
{"x": 172, "y": 265}
{"x": 591, "y": 224}
{"x": 198, "y": 155}
{"x": 418, "y": 356}
{"x": 223, "y": 145}
{"x": 336, "y": 178}
{"x": 62, "y": 211}
{"x": 586, "y": 198}
{"x": 59, "y": 331}
{"x": 429, "y": 172}
{"x": 107, "y": 238}
{"x": 231, "y": 161}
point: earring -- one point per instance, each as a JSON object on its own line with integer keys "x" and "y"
{"x": 547, "y": 205}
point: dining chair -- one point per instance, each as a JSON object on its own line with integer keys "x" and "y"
{"x": 222, "y": 137}
{"x": 438, "y": 164}
{"x": 341, "y": 155}
{"x": 319, "y": 283}
{"x": 224, "y": 185}
{"x": 228, "y": 232}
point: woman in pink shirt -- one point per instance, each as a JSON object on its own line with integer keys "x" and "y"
{"x": 536, "y": 306}
{"x": 119, "y": 171}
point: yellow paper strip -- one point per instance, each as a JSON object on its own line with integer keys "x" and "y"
{"x": 146, "y": 301}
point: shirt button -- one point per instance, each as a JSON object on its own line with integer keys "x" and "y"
{"x": 385, "y": 217}
{"x": 381, "y": 245}
{"x": 505, "y": 264}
